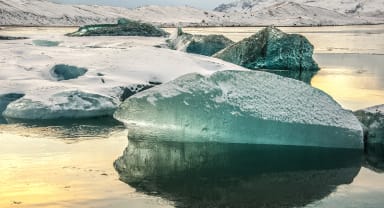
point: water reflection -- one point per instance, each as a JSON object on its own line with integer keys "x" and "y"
{"x": 70, "y": 130}
{"x": 374, "y": 158}
{"x": 235, "y": 175}
{"x": 305, "y": 76}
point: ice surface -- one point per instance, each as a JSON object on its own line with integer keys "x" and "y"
{"x": 200, "y": 44}
{"x": 271, "y": 48}
{"x": 66, "y": 72}
{"x": 68, "y": 104}
{"x": 45, "y": 43}
{"x": 124, "y": 27}
{"x": 231, "y": 175}
{"x": 116, "y": 69}
{"x": 240, "y": 107}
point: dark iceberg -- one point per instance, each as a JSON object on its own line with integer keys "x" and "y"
{"x": 124, "y": 27}
{"x": 271, "y": 48}
{"x": 372, "y": 119}
{"x": 199, "y": 44}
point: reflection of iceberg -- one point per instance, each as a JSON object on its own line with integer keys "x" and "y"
{"x": 305, "y": 76}
{"x": 71, "y": 130}
{"x": 236, "y": 175}
{"x": 374, "y": 158}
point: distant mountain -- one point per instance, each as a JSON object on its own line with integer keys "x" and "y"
{"x": 287, "y": 14}
{"x": 365, "y": 10}
{"x": 240, "y": 13}
{"x": 44, "y": 12}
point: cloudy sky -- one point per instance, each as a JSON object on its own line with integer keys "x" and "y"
{"x": 209, "y": 4}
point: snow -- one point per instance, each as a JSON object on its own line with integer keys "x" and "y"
{"x": 240, "y": 107}
{"x": 43, "y": 12}
{"x": 113, "y": 64}
{"x": 242, "y": 13}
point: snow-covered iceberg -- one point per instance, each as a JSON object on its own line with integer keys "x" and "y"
{"x": 124, "y": 27}
{"x": 67, "y": 104}
{"x": 199, "y": 44}
{"x": 231, "y": 175}
{"x": 271, "y": 48}
{"x": 240, "y": 107}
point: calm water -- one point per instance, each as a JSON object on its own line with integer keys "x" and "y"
{"x": 91, "y": 164}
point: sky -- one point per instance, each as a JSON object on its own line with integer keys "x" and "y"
{"x": 209, "y": 4}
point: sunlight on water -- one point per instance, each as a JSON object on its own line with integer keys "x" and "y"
{"x": 37, "y": 171}
{"x": 356, "y": 81}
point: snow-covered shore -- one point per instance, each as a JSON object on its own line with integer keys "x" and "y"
{"x": 114, "y": 66}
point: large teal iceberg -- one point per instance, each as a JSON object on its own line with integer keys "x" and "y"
{"x": 240, "y": 107}
{"x": 271, "y": 48}
{"x": 124, "y": 27}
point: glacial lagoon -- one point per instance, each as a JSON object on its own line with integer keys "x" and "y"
{"x": 90, "y": 163}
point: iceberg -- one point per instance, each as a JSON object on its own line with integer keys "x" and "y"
{"x": 372, "y": 120}
{"x": 271, "y": 48}
{"x": 66, "y": 72}
{"x": 5, "y": 99}
{"x": 235, "y": 175}
{"x": 199, "y": 44}
{"x": 67, "y": 104}
{"x": 240, "y": 107}
{"x": 124, "y": 27}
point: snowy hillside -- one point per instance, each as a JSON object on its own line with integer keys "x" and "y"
{"x": 290, "y": 14}
{"x": 363, "y": 10}
{"x": 240, "y": 13}
{"x": 43, "y": 12}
